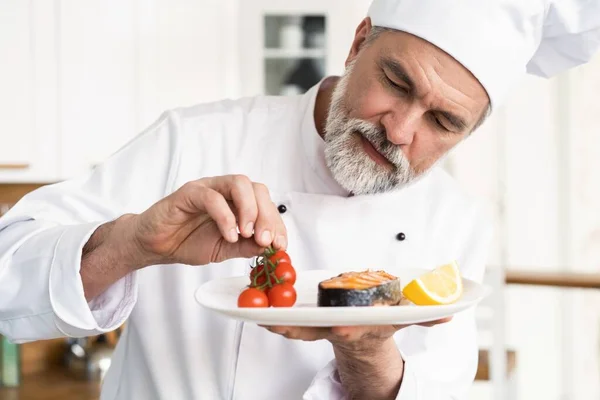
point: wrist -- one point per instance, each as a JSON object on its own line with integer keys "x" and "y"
{"x": 108, "y": 256}
{"x": 130, "y": 250}
{"x": 366, "y": 348}
{"x": 370, "y": 361}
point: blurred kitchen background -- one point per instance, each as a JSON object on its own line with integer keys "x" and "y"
{"x": 80, "y": 78}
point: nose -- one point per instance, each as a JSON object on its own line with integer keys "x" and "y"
{"x": 401, "y": 126}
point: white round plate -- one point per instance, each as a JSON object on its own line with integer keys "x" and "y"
{"x": 221, "y": 295}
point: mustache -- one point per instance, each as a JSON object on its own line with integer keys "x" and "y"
{"x": 377, "y": 136}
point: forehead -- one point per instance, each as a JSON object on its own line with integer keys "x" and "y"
{"x": 433, "y": 70}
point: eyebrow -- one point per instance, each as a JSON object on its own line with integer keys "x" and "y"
{"x": 398, "y": 70}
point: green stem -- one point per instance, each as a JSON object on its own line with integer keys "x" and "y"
{"x": 268, "y": 269}
{"x": 277, "y": 281}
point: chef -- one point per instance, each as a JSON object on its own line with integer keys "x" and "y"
{"x": 343, "y": 177}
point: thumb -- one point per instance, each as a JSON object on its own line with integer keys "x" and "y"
{"x": 243, "y": 248}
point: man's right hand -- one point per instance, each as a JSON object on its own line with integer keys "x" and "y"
{"x": 195, "y": 225}
{"x": 198, "y": 224}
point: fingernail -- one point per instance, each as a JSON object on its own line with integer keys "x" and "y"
{"x": 233, "y": 235}
{"x": 266, "y": 237}
{"x": 280, "y": 242}
{"x": 249, "y": 228}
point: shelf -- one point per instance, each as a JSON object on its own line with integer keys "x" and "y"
{"x": 15, "y": 166}
{"x": 294, "y": 53}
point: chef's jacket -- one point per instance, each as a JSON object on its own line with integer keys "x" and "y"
{"x": 172, "y": 348}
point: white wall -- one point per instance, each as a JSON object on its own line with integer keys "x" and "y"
{"x": 536, "y": 165}
{"x": 78, "y": 78}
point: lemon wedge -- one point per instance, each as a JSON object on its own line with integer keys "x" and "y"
{"x": 442, "y": 285}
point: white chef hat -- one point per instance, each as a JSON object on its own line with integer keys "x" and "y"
{"x": 500, "y": 40}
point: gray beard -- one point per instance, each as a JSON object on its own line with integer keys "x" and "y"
{"x": 345, "y": 156}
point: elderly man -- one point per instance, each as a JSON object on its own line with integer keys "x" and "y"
{"x": 344, "y": 176}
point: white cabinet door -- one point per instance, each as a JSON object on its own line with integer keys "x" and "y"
{"x": 97, "y": 73}
{"x": 28, "y": 124}
{"x": 123, "y": 62}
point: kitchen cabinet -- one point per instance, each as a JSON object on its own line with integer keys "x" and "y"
{"x": 79, "y": 79}
{"x": 125, "y": 62}
{"x": 29, "y": 142}
{"x": 287, "y": 47}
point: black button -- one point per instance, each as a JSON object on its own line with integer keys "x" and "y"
{"x": 401, "y": 236}
{"x": 281, "y": 208}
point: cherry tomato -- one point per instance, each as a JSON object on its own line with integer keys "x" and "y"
{"x": 260, "y": 279}
{"x": 252, "y": 297}
{"x": 282, "y": 295}
{"x": 286, "y": 272}
{"x": 280, "y": 256}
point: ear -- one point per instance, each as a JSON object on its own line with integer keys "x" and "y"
{"x": 360, "y": 35}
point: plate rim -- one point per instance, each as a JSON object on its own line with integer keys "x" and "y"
{"x": 256, "y": 315}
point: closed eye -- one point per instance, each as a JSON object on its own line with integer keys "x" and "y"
{"x": 393, "y": 85}
{"x": 440, "y": 123}
{"x": 444, "y": 125}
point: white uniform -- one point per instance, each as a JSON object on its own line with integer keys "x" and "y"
{"x": 174, "y": 349}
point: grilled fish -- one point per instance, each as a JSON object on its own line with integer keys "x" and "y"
{"x": 364, "y": 288}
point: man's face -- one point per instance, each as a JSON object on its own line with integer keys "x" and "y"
{"x": 400, "y": 106}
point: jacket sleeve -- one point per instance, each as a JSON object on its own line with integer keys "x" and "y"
{"x": 42, "y": 237}
{"x": 440, "y": 362}
{"x": 571, "y": 37}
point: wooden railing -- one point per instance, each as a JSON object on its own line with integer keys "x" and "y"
{"x": 14, "y": 166}
{"x": 554, "y": 279}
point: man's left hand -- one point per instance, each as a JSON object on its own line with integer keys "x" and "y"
{"x": 368, "y": 361}
{"x": 346, "y": 336}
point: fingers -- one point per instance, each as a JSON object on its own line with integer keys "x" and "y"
{"x": 437, "y": 322}
{"x": 269, "y": 228}
{"x": 308, "y": 334}
{"x": 246, "y": 248}
{"x": 345, "y": 335}
{"x": 347, "y": 332}
{"x": 355, "y": 333}
{"x": 215, "y": 205}
{"x": 240, "y": 190}
{"x": 254, "y": 208}
{"x": 244, "y": 200}
{"x": 335, "y": 334}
